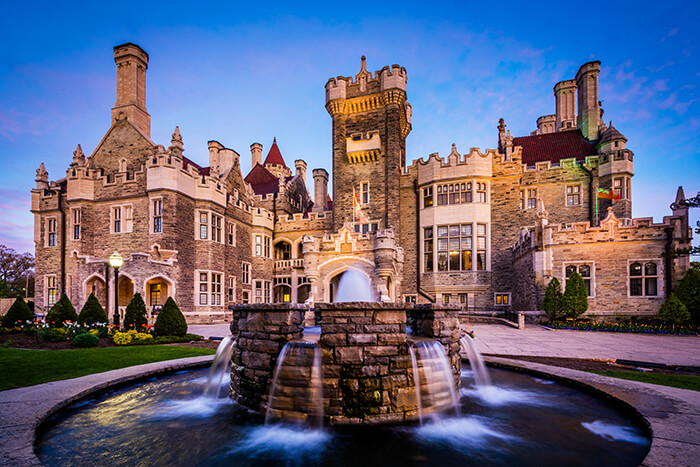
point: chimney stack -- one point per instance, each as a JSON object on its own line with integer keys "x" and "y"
{"x": 565, "y": 105}
{"x": 255, "y": 154}
{"x": 320, "y": 190}
{"x": 132, "y": 63}
{"x": 588, "y": 106}
{"x": 301, "y": 169}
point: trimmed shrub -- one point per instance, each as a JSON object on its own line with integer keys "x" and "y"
{"x": 553, "y": 298}
{"x": 135, "y": 317}
{"x": 19, "y": 311}
{"x": 54, "y": 334}
{"x": 170, "y": 321}
{"x": 674, "y": 311}
{"x": 689, "y": 293}
{"x": 61, "y": 312}
{"x": 92, "y": 312}
{"x": 575, "y": 299}
{"x": 86, "y": 340}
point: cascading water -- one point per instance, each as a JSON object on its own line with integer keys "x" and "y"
{"x": 296, "y": 392}
{"x": 476, "y": 361}
{"x": 219, "y": 367}
{"x": 435, "y": 383}
{"x": 354, "y": 287}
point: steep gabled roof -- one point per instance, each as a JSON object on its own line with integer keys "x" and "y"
{"x": 554, "y": 147}
{"x": 274, "y": 157}
{"x": 262, "y": 181}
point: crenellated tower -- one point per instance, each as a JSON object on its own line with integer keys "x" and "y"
{"x": 132, "y": 63}
{"x": 371, "y": 119}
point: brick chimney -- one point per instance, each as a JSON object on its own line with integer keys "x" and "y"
{"x": 132, "y": 63}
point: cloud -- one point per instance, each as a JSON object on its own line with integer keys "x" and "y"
{"x": 671, "y": 33}
{"x": 661, "y": 67}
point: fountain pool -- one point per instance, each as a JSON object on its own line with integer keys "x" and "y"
{"x": 520, "y": 420}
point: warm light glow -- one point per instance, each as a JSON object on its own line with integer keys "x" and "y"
{"x": 116, "y": 260}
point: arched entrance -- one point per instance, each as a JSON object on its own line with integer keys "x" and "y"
{"x": 95, "y": 285}
{"x": 283, "y": 293}
{"x": 157, "y": 292}
{"x": 283, "y": 250}
{"x": 126, "y": 291}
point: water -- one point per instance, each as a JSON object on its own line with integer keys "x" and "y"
{"x": 354, "y": 286}
{"x": 296, "y": 392}
{"x": 476, "y": 361}
{"x": 129, "y": 427}
{"x": 435, "y": 383}
{"x": 219, "y": 367}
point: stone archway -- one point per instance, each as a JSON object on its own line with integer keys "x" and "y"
{"x": 126, "y": 290}
{"x": 157, "y": 291}
{"x": 96, "y": 285}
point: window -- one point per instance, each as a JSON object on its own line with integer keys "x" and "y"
{"x": 427, "y": 197}
{"x": 364, "y": 190}
{"x": 481, "y": 192}
{"x": 481, "y": 247}
{"x": 51, "y": 291}
{"x": 585, "y": 271}
{"x": 267, "y": 289}
{"x": 258, "y": 291}
{"x": 573, "y": 195}
{"x": 262, "y": 246}
{"x": 154, "y": 294}
{"x": 216, "y": 227}
{"x": 245, "y": 296}
{"x": 618, "y": 187}
{"x": 409, "y": 299}
{"x": 522, "y": 199}
{"x": 502, "y": 299}
{"x": 532, "y": 198}
{"x": 454, "y": 247}
{"x": 51, "y": 232}
{"x": 644, "y": 279}
{"x": 203, "y": 288}
{"x": 117, "y": 219}
{"x": 428, "y": 243}
{"x": 215, "y": 288}
{"x": 446, "y": 299}
{"x": 365, "y": 228}
{"x": 454, "y": 193}
{"x": 231, "y": 234}
{"x": 245, "y": 276}
{"x": 77, "y": 218}
{"x": 231, "y": 292}
{"x": 203, "y": 225}
{"x": 157, "y": 215}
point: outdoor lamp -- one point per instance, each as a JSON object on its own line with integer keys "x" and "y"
{"x": 116, "y": 261}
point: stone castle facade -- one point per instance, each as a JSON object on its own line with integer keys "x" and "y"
{"x": 486, "y": 230}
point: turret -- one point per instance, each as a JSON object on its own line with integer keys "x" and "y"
{"x": 300, "y": 166}
{"x": 42, "y": 178}
{"x": 588, "y": 104}
{"x": 255, "y": 154}
{"x": 565, "y": 105}
{"x": 176, "y": 147}
{"x": 132, "y": 63}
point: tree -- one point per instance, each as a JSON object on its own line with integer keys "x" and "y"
{"x": 170, "y": 321}
{"x": 552, "y": 303}
{"x": 16, "y": 270}
{"x": 688, "y": 293}
{"x": 61, "y": 312}
{"x": 575, "y": 300}
{"x": 135, "y": 317}
{"x": 92, "y": 312}
{"x": 19, "y": 311}
{"x": 674, "y": 311}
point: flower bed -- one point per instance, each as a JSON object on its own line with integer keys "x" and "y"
{"x": 629, "y": 327}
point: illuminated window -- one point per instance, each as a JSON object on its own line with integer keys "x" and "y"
{"x": 51, "y": 292}
{"x": 585, "y": 271}
{"x": 573, "y": 195}
{"x": 644, "y": 279}
{"x": 245, "y": 296}
{"x": 480, "y": 247}
{"x": 454, "y": 247}
{"x": 502, "y": 299}
{"x": 446, "y": 299}
{"x": 427, "y": 197}
{"x": 618, "y": 187}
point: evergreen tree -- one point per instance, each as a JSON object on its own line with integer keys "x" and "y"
{"x": 689, "y": 293}
{"x": 92, "y": 312}
{"x": 674, "y": 311}
{"x": 575, "y": 299}
{"x": 61, "y": 312}
{"x": 552, "y": 303}
{"x": 170, "y": 321}
{"x": 19, "y": 311}
{"x": 136, "y": 317}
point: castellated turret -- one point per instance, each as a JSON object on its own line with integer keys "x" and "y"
{"x": 132, "y": 63}
{"x": 565, "y": 105}
{"x": 320, "y": 190}
{"x": 588, "y": 104}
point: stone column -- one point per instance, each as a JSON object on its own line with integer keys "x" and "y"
{"x": 262, "y": 329}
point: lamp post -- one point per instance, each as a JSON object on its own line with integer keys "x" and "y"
{"x": 116, "y": 261}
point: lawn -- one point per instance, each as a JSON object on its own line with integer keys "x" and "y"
{"x": 20, "y": 367}
{"x": 691, "y": 382}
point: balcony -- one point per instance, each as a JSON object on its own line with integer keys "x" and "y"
{"x": 289, "y": 263}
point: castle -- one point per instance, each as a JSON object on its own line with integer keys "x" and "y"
{"x": 485, "y": 230}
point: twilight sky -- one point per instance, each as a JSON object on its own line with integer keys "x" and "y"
{"x": 246, "y": 73}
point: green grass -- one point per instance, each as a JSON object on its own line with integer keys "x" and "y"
{"x": 20, "y": 367}
{"x": 691, "y": 382}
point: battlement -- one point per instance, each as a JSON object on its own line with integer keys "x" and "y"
{"x": 455, "y": 165}
{"x": 364, "y": 83}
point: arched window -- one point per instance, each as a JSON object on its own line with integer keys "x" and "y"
{"x": 283, "y": 250}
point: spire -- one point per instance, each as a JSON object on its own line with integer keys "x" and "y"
{"x": 363, "y": 75}
{"x": 42, "y": 177}
{"x": 176, "y": 146}
{"x": 78, "y": 157}
{"x": 274, "y": 156}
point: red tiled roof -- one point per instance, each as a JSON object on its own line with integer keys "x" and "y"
{"x": 262, "y": 181}
{"x": 200, "y": 169}
{"x": 329, "y": 203}
{"x": 274, "y": 157}
{"x": 554, "y": 147}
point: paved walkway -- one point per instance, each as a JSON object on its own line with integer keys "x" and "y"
{"x": 495, "y": 339}
{"x": 498, "y": 339}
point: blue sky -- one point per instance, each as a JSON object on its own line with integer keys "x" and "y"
{"x": 244, "y": 73}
